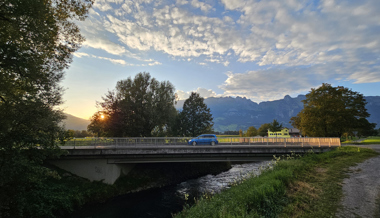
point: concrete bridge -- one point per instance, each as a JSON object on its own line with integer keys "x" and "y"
{"x": 108, "y": 159}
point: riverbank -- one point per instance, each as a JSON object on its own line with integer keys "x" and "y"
{"x": 70, "y": 192}
{"x": 309, "y": 186}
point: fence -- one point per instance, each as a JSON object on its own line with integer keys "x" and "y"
{"x": 155, "y": 141}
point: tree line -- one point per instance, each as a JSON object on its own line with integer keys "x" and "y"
{"x": 144, "y": 107}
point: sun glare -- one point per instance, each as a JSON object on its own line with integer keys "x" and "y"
{"x": 102, "y": 116}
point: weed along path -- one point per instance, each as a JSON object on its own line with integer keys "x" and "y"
{"x": 361, "y": 191}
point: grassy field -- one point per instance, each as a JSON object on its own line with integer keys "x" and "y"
{"x": 309, "y": 186}
{"x": 367, "y": 141}
{"x": 371, "y": 140}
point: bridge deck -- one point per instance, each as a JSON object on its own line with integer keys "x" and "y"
{"x": 184, "y": 153}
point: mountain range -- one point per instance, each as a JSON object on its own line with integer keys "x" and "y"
{"x": 231, "y": 113}
{"x": 240, "y": 113}
{"x": 75, "y": 123}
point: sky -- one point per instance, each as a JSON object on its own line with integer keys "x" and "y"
{"x": 258, "y": 49}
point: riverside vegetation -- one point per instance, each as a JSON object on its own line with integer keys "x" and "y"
{"x": 309, "y": 186}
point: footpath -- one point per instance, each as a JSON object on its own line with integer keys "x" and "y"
{"x": 361, "y": 189}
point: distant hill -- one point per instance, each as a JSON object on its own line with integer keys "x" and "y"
{"x": 240, "y": 113}
{"x": 75, "y": 123}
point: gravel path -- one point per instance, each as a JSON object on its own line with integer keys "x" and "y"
{"x": 362, "y": 189}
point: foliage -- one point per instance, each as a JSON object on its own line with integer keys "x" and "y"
{"x": 366, "y": 128}
{"x": 138, "y": 107}
{"x": 271, "y": 194}
{"x": 251, "y": 131}
{"x": 241, "y": 133}
{"x": 195, "y": 118}
{"x": 37, "y": 39}
{"x": 275, "y": 126}
{"x": 231, "y": 132}
{"x": 77, "y": 134}
{"x": 331, "y": 111}
{"x": 263, "y": 130}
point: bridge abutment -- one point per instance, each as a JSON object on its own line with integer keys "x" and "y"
{"x": 94, "y": 169}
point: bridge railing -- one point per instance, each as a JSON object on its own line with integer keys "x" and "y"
{"x": 281, "y": 141}
{"x": 148, "y": 141}
{"x": 159, "y": 141}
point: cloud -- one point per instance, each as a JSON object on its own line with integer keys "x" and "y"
{"x": 205, "y": 93}
{"x": 114, "y": 61}
{"x": 272, "y": 83}
{"x": 201, "y": 5}
{"x": 297, "y": 44}
{"x": 81, "y": 54}
{"x": 117, "y": 61}
{"x": 291, "y": 33}
{"x": 106, "y": 45}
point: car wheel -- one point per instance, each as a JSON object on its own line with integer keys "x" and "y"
{"x": 212, "y": 143}
{"x": 194, "y": 143}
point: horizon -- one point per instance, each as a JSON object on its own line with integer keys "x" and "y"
{"x": 227, "y": 97}
{"x": 261, "y": 50}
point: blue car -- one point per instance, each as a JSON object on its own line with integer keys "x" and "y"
{"x": 205, "y": 139}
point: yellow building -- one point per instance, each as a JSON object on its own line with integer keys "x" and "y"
{"x": 284, "y": 133}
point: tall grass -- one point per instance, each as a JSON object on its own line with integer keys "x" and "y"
{"x": 268, "y": 194}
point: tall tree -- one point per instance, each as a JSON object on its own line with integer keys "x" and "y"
{"x": 196, "y": 117}
{"x": 275, "y": 126}
{"x": 138, "y": 107}
{"x": 251, "y": 131}
{"x": 37, "y": 39}
{"x": 331, "y": 111}
{"x": 263, "y": 130}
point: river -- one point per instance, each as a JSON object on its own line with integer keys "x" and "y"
{"x": 163, "y": 202}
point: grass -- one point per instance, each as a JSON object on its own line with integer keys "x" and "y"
{"x": 371, "y": 140}
{"x": 367, "y": 141}
{"x": 303, "y": 187}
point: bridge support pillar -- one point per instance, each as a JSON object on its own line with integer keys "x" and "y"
{"x": 94, "y": 169}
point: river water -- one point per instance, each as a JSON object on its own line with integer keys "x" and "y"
{"x": 163, "y": 202}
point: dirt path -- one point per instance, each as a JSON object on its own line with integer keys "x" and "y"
{"x": 362, "y": 189}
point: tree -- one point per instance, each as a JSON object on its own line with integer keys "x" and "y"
{"x": 331, "y": 111}
{"x": 137, "y": 108}
{"x": 263, "y": 130}
{"x": 37, "y": 39}
{"x": 98, "y": 124}
{"x": 275, "y": 126}
{"x": 251, "y": 131}
{"x": 366, "y": 128}
{"x": 241, "y": 133}
{"x": 195, "y": 118}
